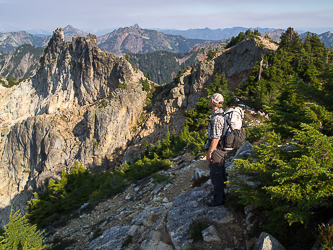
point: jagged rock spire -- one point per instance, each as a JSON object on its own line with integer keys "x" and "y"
{"x": 135, "y": 26}
{"x": 58, "y": 35}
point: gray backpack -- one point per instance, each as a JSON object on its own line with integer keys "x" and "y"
{"x": 233, "y": 135}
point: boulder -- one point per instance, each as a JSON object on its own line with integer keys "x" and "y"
{"x": 267, "y": 242}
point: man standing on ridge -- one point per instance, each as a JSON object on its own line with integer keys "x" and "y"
{"x": 215, "y": 154}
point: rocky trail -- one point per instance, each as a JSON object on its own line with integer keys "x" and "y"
{"x": 151, "y": 215}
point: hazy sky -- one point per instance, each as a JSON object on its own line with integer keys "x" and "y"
{"x": 167, "y": 14}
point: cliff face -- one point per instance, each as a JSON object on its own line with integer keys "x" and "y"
{"x": 71, "y": 110}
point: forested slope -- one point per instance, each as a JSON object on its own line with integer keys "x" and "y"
{"x": 292, "y": 188}
{"x": 163, "y": 65}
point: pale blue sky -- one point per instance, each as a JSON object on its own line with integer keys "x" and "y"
{"x": 172, "y": 14}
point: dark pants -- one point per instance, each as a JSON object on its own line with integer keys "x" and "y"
{"x": 217, "y": 174}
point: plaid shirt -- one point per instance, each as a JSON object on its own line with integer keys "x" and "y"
{"x": 215, "y": 127}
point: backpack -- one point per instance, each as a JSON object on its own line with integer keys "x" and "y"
{"x": 233, "y": 135}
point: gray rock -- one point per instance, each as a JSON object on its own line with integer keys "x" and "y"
{"x": 112, "y": 238}
{"x": 210, "y": 234}
{"x": 148, "y": 217}
{"x": 198, "y": 174}
{"x": 189, "y": 207}
{"x": 267, "y": 242}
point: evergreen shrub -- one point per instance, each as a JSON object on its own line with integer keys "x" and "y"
{"x": 160, "y": 178}
{"x": 20, "y": 234}
{"x": 195, "y": 230}
{"x": 242, "y": 36}
{"x": 70, "y": 192}
{"x": 122, "y": 85}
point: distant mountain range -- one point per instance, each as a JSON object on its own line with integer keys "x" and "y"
{"x": 210, "y": 34}
{"x": 136, "y": 40}
{"x": 12, "y": 40}
{"x": 327, "y": 39}
{"x": 133, "y": 39}
{"x": 21, "y": 62}
{"x": 129, "y": 39}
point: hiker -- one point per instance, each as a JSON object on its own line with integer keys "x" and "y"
{"x": 215, "y": 154}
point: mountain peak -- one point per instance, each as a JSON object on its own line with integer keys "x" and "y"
{"x": 70, "y": 31}
{"x": 135, "y": 26}
{"x": 69, "y": 27}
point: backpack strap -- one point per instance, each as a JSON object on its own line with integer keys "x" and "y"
{"x": 220, "y": 143}
{"x": 227, "y": 123}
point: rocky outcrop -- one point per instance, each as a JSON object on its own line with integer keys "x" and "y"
{"x": 267, "y": 242}
{"x": 71, "y": 74}
{"x": 73, "y": 109}
{"x": 78, "y": 72}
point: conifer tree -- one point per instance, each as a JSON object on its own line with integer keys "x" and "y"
{"x": 20, "y": 234}
{"x": 148, "y": 75}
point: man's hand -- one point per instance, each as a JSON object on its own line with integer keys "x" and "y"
{"x": 211, "y": 149}
{"x": 209, "y": 156}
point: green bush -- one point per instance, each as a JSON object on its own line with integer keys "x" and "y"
{"x": 122, "y": 85}
{"x": 242, "y": 36}
{"x": 145, "y": 84}
{"x": 325, "y": 236}
{"x": 211, "y": 54}
{"x": 195, "y": 230}
{"x": 144, "y": 167}
{"x": 291, "y": 184}
{"x": 148, "y": 88}
{"x": 19, "y": 234}
{"x": 104, "y": 104}
{"x": 10, "y": 82}
{"x": 70, "y": 192}
{"x": 160, "y": 178}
